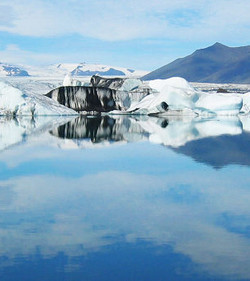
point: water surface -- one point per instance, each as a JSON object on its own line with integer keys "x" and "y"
{"x": 119, "y": 198}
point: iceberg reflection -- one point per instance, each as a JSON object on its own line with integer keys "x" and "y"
{"x": 16, "y": 130}
{"x": 85, "y": 214}
{"x": 205, "y": 140}
{"x": 214, "y": 141}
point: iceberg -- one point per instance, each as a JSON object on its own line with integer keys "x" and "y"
{"x": 14, "y": 102}
{"x": 121, "y": 84}
{"x": 102, "y": 95}
{"x": 173, "y": 96}
{"x": 222, "y": 104}
{"x": 180, "y": 96}
{"x": 246, "y": 102}
{"x": 176, "y": 92}
{"x": 70, "y": 81}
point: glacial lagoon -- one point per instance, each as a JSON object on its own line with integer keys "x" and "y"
{"x": 121, "y": 198}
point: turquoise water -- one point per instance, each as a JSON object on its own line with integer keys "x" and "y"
{"x": 124, "y": 199}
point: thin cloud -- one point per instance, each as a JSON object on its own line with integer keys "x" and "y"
{"x": 13, "y": 54}
{"x": 6, "y": 16}
{"x": 181, "y": 215}
{"x": 124, "y": 20}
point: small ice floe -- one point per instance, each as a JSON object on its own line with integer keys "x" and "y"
{"x": 70, "y": 81}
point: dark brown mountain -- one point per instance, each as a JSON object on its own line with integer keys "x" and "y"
{"x": 215, "y": 64}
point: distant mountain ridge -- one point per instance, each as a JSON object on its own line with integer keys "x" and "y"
{"x": 12, "y": 70}
{"x": 86, "y": 69}
{"x": 215, "y": 64}
{"x": 75, "y": 69}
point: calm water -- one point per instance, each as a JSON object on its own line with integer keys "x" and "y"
{"x": 124, "y": 199}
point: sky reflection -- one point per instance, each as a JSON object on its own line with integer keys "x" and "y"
{"x": 77, "y": 208}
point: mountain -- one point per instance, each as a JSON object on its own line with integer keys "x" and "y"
{"x": 12, "y": 70}
{"x": 215, "y": 64}
{"x": 215, "y": 151}
{"x": 75, "y": 69}
{"x": 85, "y": 69}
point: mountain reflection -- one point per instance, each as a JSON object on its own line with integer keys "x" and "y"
{"x": 214, "y": 141}
{"x": 128, "y": 212}
{"x": 217, "y": 142}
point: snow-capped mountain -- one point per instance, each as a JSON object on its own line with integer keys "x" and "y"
{"x": 75, "y": 69}
{"x": 85, "y": 69}
{"x": 12, "y": 70}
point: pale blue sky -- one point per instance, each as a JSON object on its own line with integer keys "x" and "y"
{"x": 142, "y": 34}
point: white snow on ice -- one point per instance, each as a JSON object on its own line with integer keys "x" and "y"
{"x": 16, "y": 102}
{"x": 179, "y": 95}
{"x": 182, "y": 98}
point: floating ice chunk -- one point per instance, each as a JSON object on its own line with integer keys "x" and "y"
{"x": 116, "y": 83}
{"x": 246, "y": 102}
{"x": 68, "y": 81}
{"x": 15, "y": 102}
{"x": 171, "y": 94}
{"x": 177, "y": 82}
{"x": 149, "y": 104}
{"x": 221, "y": 104}
{"x": 130, "y": 84}
{"x": 10, "y": 97}
{"x": 180, "y": 96}
{"x": 76, "y": 83}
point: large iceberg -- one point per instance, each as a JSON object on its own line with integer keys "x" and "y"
{"x": 180, "y": 96}
{"x": 221, "y": 104}
{"x": 102, "y": 95}
{"x": 14, "y": 102}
